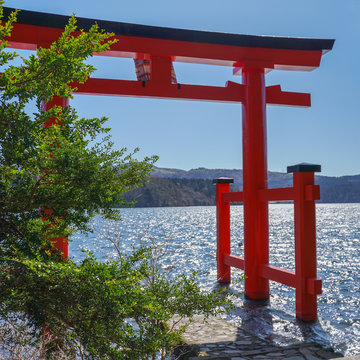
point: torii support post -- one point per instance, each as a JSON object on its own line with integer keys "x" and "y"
{"x": 60, "y": 243}
{"x": 223, "y": 228}
{"x": 307, "y": 284}
{"x": 256, "y": 243}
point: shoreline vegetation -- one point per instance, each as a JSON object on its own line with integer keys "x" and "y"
{"x": 174, "y": 187}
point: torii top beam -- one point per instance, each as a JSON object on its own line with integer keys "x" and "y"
{"x": 164, "y": 45}
{"x": 182, "y": 45}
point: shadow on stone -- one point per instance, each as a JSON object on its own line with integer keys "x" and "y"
{"x": 254, "y": 338}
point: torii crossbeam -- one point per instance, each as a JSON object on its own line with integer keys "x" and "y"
{"x": 162, "y": 46}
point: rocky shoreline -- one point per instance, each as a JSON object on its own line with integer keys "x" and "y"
{"x": 216, "y": 338}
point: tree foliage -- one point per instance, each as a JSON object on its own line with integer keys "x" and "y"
{"x": 56, "y": 167}
{"x": 113, "y": 310}
{"x": 91, "y": 309}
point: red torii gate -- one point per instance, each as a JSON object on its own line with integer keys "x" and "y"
{"x": 156, "y": 48}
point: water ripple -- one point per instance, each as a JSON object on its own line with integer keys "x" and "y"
{"x": 187, "y": 236}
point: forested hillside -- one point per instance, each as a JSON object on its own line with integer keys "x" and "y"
{"x": 173, "y": 192}
{"x": 276, "y": 179}
{"x": 169, "y": 191}
{"x": 341, "y": 193}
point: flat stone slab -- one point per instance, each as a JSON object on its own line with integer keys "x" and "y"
{"x": 215, "y": 338}
{"x": 212, "y": 330}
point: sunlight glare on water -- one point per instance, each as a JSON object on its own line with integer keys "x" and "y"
{"x": 187, "y": 236}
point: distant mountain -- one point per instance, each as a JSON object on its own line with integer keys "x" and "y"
{"x": 173, "y": 192}
{"x": 340, "y": 193}
{"x": 200, "y": 173}
{"x": 276, "y": 179}
{"x": 328, "y": 180}
{"x": 175, "y": 187}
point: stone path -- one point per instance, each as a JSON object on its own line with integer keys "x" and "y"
{"x": 218, "y": 339}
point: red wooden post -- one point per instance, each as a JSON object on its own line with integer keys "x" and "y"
{"x": 256, "y": 246}
{"x": 307, "y": 285}
{"x": 223, "y": 228}
{"x": 60, "y": 243}
{"x": 55, "y": 101}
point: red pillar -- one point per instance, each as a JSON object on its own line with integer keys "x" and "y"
{"x": 223, "y": 228}
{"x": 307, "y": 285}
{"x": 60, "y": 243}
{"x": 55, "y": 101}
{"x": 256, "y": 246}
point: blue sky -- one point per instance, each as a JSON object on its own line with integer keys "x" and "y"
{"x": 189, "y": 134}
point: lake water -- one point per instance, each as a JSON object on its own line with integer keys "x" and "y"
{"x": 187, "y": 236}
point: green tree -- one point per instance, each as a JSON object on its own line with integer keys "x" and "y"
{"x": 92, "y": 309}
{"x": 77, "y": 180}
